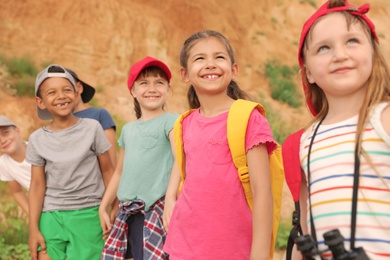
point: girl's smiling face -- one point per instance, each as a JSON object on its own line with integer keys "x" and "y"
{"x": 209, "y": 67}
{"x": 151, "y": 91}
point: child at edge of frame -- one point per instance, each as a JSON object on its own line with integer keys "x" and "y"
{"x": 13, "y": 166}
{"x": 346, "y": 80}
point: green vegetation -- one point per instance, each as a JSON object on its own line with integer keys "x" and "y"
{"x": 19, "y": 74}
{"x": 282, "y": 86}
{"x": 311, "y": 2}
{"x": 13, "y": 228}
{"x": 282, "y": 237}
{"x": 280, "y": 128}
{"x": 119, "y": 124}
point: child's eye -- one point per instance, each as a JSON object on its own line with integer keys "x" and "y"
{"x": 198, "y": 58}
{"x": 323, "y": 48}
{"x": 353, "y": 41}
{"x": 220, "y": 57}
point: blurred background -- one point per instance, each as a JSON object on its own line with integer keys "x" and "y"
{"x": 100, "y": 40}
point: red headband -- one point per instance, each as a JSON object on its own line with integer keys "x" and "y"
{"x": 324, "y": 10}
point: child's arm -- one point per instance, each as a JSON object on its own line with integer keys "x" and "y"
{"x": 296, "y": 254}
{"x": 19, "y": 195}
{"x": 35, "y": 200}
{"x": 259, "y": 174}
{"x": 110, "y": 134}
{"x": 106, "y": 167}
{"x": 110, "y": 195}
{"x": 173, "y": 186}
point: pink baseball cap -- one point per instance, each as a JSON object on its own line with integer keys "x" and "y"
{"x": 146, "y": 62}
{"x": 324, "y": 10}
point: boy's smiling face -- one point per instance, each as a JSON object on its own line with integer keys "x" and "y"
{"x": 10, "y": 139}
{"x": 58, "y": 96}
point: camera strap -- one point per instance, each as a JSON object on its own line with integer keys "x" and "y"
{"x": 354, "y": 193}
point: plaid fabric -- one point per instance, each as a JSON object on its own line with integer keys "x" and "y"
{"x": 116, "y": 244}
{"x": 154, "y": 233}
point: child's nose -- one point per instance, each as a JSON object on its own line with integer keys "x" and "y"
{"x": 340, "y": 53}
{"x": 210, "y": 64}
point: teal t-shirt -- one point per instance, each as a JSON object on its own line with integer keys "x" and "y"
{"x": 148, "y": 159}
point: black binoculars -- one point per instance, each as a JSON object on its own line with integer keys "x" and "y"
{"x": 335, "y": 242}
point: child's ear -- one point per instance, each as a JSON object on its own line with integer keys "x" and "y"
{"x": 184, "y": 75}
{"x": 309, "y": 76}
{"x": 19, "y": 132}
{"x": 79, "y": 87}
{"x": 40, "y": 103}
{"x": 234, "y": 70}
{"x": 76, "y": 92}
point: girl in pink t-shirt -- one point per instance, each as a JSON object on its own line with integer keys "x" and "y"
{"x": 211, "y": 218}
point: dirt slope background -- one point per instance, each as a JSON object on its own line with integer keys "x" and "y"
{"x": 101, "y": 39}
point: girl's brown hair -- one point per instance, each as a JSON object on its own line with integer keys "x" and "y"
{"x": 233, "y": 90}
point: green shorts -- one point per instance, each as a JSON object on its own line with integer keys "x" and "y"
{"x": 74, "y": 234}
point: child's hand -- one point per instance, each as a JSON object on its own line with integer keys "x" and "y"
{"x": 168, "y": 209}
{"x": 36, "y": 239}
{"x": 105, "y": 223}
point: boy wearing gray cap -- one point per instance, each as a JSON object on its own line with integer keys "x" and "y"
{"x": 13, "y": 167}
{"x": 70, "y": 168}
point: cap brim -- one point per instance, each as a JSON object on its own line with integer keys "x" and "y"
{"x": 88, "y": 92}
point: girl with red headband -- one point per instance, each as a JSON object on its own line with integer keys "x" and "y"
{"x": 345, "y": 152}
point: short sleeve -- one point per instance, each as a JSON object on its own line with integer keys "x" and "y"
{"x": 121, "y": 141}
{"x": 32, "y": 155}
{"x": 376, "y": 121}
{"x": 101, "y": 142}
{"x": 170, "y": 122}
{"x": 4, "y": 176}
{"x": 259, "y": 132}
{"x": 106, "y": 120}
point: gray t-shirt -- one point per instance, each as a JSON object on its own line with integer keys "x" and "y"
{"x": 73, "y": 176}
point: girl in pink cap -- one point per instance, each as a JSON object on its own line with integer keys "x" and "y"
{"x": 345, "y": 152}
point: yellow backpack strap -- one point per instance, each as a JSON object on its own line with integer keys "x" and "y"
{"x": 238, "y": 118}
{"x": 178, "y": 134}
{"x": 237, "y": 122}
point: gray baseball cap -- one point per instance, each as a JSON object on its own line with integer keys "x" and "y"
{"x": 5, "y": 121}
{"x": 52, "y": 71}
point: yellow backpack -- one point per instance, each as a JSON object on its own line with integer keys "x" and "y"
{"x": 237, "y": 122}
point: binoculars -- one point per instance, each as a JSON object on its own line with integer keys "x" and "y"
{"x": 335, "y": 242}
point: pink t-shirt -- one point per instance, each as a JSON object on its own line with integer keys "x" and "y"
{"x": 211, "y": 218}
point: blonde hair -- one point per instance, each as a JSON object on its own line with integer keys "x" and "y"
{"x": 378, "y": 84}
